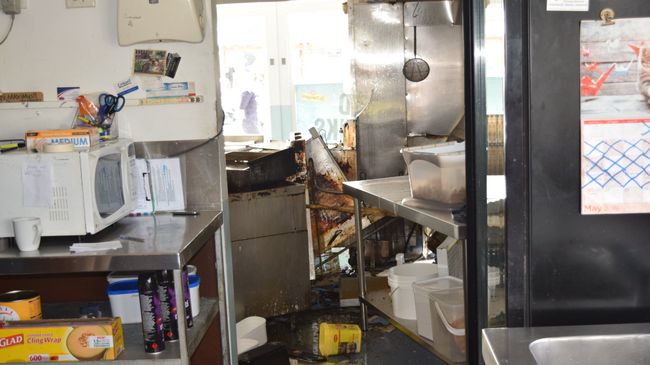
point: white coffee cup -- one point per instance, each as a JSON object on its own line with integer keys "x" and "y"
{"x": 27, "y": 232}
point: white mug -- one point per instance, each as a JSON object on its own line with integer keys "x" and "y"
{"x": 27, "y": 232}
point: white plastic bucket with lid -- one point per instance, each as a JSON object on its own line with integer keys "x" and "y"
{"x": 422, "y": 291}
{"x": 400, "y": 280}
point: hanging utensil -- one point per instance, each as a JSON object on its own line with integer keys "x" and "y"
{"x": 416, "y": 69}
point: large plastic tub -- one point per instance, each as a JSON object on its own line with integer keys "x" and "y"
{"x": 448, "y": 323}
{"x": 422, "y": 291}
{"x": 437, "y": 172}
{"x": 125, "y": 301}
{"x": 400, "y": 280}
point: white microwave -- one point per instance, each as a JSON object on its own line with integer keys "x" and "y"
{"x": 73, "y": 193}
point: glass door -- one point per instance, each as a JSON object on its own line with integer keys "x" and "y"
{"x": 246, "y": 36}
{"x": 317, "y": 34}
{"x": 284, "y": 67}
{"x": 495, "y": 105}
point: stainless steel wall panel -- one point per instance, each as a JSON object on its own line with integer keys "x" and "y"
{"x": 200, "y": 165}
{"x": 436, "y": 104}
{"x": 377, "y": 33}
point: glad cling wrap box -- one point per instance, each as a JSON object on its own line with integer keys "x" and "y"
{"x": 61, "y": 340}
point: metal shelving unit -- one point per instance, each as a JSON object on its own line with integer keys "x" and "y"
{"x": 157, "y": 242}
{"x": 387, "y": 194}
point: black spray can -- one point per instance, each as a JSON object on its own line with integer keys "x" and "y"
{"x": 152, "y": 324}
{"x": 168, "y": 304}
{"x": 186, "y": 298}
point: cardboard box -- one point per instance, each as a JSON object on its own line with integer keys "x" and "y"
{"x": 61, "y": 340}
{"x": 82, "y": 139}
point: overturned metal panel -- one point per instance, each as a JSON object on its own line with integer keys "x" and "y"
{"x": 325, "y": 180}
{"x": 377, "y": 33}
{"x": 435, "y": 105}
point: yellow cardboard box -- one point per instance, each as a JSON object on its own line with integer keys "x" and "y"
{"x": 82, "y": 138}
{"x": 61, "y": 340}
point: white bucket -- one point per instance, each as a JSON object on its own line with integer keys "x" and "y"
{"x": 251, "y": 333}
{"x": 400, "y": 280}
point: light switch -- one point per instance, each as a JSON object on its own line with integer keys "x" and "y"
{"x": 79, "y": 4}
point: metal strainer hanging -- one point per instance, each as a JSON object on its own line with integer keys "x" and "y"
{"x": 416, "y": 69}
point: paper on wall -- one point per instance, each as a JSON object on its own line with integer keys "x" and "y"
{"x": 567, "y": 5}
{"x": 37, "y": 184}
{"x": 614, "y": 117}
{"x": 159, "y": 185}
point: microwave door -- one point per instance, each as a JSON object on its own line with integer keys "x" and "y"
{"x": 109, "y": 192}
{"x": 109, "y": 180}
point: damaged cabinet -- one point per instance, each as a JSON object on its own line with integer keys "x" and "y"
{"x": 270, "y": 251}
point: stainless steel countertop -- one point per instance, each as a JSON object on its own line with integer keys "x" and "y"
{"x": 168, "y": 243}
{"x": 387, "y": 193}
{"x": 510, "y": 345}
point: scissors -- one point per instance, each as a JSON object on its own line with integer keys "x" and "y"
{"x": 110, "y": 104}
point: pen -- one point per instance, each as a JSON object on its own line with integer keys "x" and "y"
{"x": 190, "y": 212}
{"x": 8, "y": 149}
{"x": 130, "y": 238}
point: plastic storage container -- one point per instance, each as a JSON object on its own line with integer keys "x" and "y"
{"x": 195, "y": 298}
{"x": 422, "y": 291}
{"x": 251, "y": 333}
{"x": 125, "y": 303}
{"x": 437, "y": 172}
{"x": 337, "y": 339}
{"x": 448, "y": 323}
{"x": 400, "y": 280}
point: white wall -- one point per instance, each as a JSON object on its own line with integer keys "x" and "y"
{"x": 53, "y": 46}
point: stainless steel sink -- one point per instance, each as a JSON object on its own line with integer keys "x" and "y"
{"x": 610, "y": 344}
{"x": 632, "y": 349}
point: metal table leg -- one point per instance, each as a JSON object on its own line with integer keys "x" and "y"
{"x": 361, "y": 270}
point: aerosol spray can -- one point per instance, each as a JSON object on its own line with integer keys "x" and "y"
{"x": 186, "y": 298}
{"x": 152, "y": 323}
{"x": 168, "y": 304}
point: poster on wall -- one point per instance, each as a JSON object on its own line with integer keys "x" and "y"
{"x": 322, "y": 106}
{"x": 615, "y": 116}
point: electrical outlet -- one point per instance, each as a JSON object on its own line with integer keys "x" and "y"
{"x": 10, "y": 6}
{"x": 79, "y": 4}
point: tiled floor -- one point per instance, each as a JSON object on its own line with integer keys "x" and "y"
{"x": 381, "y": 344}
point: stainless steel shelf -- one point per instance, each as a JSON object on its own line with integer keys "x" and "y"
{"x": 381, "y": 302}
{"x": 168, "y": 242}
{"x": 387, "y": 193}
{"x": 134, "y": 354}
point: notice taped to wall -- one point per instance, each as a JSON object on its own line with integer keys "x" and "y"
{"x": 567, "y": 5}
{"x": 615, "y": 116}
